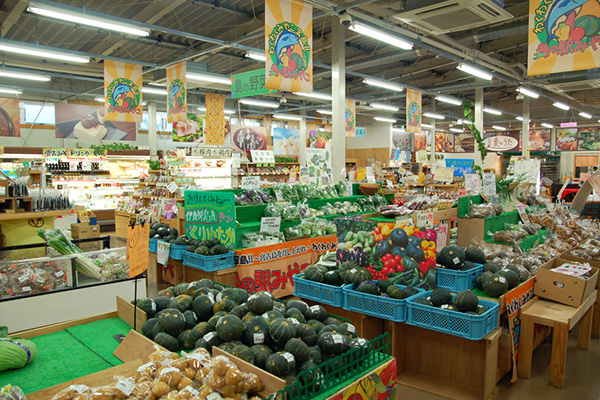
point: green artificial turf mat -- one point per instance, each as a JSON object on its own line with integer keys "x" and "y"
{"x": 98, "y": 336}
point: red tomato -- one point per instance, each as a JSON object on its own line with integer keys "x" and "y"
{"x": 398, "y": 259}
{"x": 387, "y": 270}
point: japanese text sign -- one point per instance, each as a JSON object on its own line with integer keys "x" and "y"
{"x": 210, "y": 215}
{"x": 251, "y": 83}
{"x": 137, "y": 248}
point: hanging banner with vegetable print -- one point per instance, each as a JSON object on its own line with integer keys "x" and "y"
{"x": 176, "y": 93}
{"x": 564, "y": 35}
{"x": 122, "y": 91}
{"x": 413, "y": 111}
{"x": 350, "y": 118}
{"x": 214, "y": 129}
{"x": 288, "y": 46}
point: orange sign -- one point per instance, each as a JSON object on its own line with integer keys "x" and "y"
{"x": 137, "y": 248}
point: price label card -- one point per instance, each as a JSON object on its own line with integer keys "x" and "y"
{"x": 404, "y": 220}
{"x": 370, "y": 174}
{"x": 389, "y": 184}
{"x": 304, "y": 175}
{"x": 250, "y": 182}
{"x": 425, "y": 220}
{"x": 472, "y": 182}
{"x": 172, "y": 187}
{"x": 522, "y": 212}
{"x": 489, "y": 184}
{"x": 162, "y": 252}
{"x": 444, "y": 174}
{"x": 361, "y": 174}
{"x": 349, "y": 188}
{"x": 270, "y": 224}
{"x": 263, "y": 156}
{"x": 442, "y": 235}
{"x": 279, "y": 195}
{"x": 293, "y": 177}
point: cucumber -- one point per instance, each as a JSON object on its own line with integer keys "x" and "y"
{"x": 366, "y": 249}
{"x": 348, "y": 237}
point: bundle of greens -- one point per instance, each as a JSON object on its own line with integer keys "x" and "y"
{"x": 56, "y": 239}
{"x": 15, "y": 352}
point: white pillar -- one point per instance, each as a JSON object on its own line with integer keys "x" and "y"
{"x": 152, "y": 135}
{"x": 525, "y": 129}
{"x": 302, "y": 143}
{"x": 433, "y": 133}
{"x": 478, "y": 122}
{"x": 338, "y": 92}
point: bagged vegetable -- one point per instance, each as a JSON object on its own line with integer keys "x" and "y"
{"x": 15, "y": 352}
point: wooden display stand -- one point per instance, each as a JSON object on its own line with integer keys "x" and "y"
{"x": 226, "y": 276}
{"x": 443, "y": 364}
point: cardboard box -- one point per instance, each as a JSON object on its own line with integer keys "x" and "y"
{"x": 85, "y": 216}
{"x": 84, "y": 231}
{"x": 562, "y": 288}
{"x": 593, "y": 263}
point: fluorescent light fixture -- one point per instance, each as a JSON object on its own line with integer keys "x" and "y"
{"x": 150, "y": 90}
{"x": 426, "y": 126}
{"x": 287, "y": 117}
{"x": 259, "y": 103}
{"x": 384, "y": 119}
{"x": 383, "y": 84}
{"x": 325, "y": 112}
{"x": 10, "y": 91}
{"x": 490, "y": 110}
{"x": 456, "y": 130}
{"x": 398, "y": 130}
{"x": 547, "y": 125}
{"x": 100, "y": 99}
{"x": 382, "y": 106}
{"x": 315, "y": 95}
{"x": 433, "y": 115}
{"x": 498, "y": 128}
{"x": 42, "y": 53}
{"x": 519, "y": 118}
{"x": 448, "y": 99}
{"x": 528, "y": 92}
{"x": 475, "y": 72}
{"x": 380, "y": 35}
{"x": 144, "y": 103}
{"x": 585, "y": 115}
{"x": 256, "y": 56}
{"x": 208, "y": 78}
{"x": 226, "y": 111}
{"x": 82, "y": 18}
{"x": 22, "y": 75}
{"x": 562, "y": 106}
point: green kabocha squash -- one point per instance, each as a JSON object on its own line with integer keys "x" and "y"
{"x": 331, "y": 329}
{"x": 155, "y": 330}
{"x": 415, "y": 252}
{"x": 409, "y": 291}
{"x": 491, "y": 267}
{"x": 316, "y": 312}
{"x": 332, "y": 321}
{"x": 229, "y": 294}
{"x": 181, "y": 288}
{"x": 299, "y": 304}
{"x": 395, "y": 292}
{"x": 282, "y": 330}
{"x": 409, "y": 263}
{"x": 466, "y": 301}
{"x": 423, "y": 301}
{"x": 440, "y": 296}
{"x": 203, "y": 308}
{"x": 467, "y": 265}
{"x": 148, "y": 326}
{"x": 202, "y": 250}
{"x": 281, "y": 363}
{"x": 171, "y": 321}
{"x": 431, "y": 278}
{"x": 296, "y": 314}
{"x": 230, "y": 328}
{"x": 451, "y": 257}
{"x": 229, "y": 346}
{"x": 332, "y": 278}
{"x": 261, "y": 353}
{"x": 162, "y": 302}
{"x": 256, "y": 331}
{"x": 203, "y": 291}
{"x": 182, "y": 302}
{"x": 449, "y": 307}
{"x": 316, "y": 325}
{"x": 186, "y": 340}
{"x": 167, "y": 341}
{"x": 312, "y": 378}
{"x": 200, "y": 330}
{"x": 208, "y": 341}
{"x": 383, "y": 285}
{"x": 249, "y": 315}
{"x": 214, "y": 320}
{"x": 260, "y": 303}
{"x": 239, "y": 311}
{"x": 496, "y": 286}
{"x": 190, "y": 319}
{"x": 369, "y": 288}
{"x": 316, "y": 354}
{"x": 359, "y": 276}
{"x": 298, "y": 349}
{"x": 475, "y": 255}
{"x": 242, "y": 351}
{"x": 481, "y": 309}
{"x": 348, "y": 330}
{"x": 307, "y": 334}
{"x": 333, "y": 343}
{"x": 481, "y": 278}
{"x": 273, "y": 315}
{"x": 511, "y": 277}
{"x": 313, "y": 273}
{"x": 242, "y": 294}
{"x": 398, "y": 237}
{"x": 223, "y": 305}
{"x": 207, "y": 283}
{"x": 148, "y": 306}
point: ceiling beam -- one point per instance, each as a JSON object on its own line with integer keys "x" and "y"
{"x": 14, "y": 14}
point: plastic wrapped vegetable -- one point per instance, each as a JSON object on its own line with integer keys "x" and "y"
{"x": 290, "y": 213}
{"x": 15, "y": 352}
{"x": 292, "y": 233}
{"x": 272, "y": 210}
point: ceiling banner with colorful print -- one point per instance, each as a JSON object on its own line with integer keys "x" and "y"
{"x": 177, "y": 93}
{"x": 350, "y": 116}
{"x": 122, "y": 91}
{"x": 413, "y": 111}
{"x": 563, "y": 36}
{"x": 288, "y": 44}
{"x": 214, "y": 131}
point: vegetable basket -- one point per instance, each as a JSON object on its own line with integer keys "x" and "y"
{"x": 153, "y": 245}
{"x": 457, "y": 281}
{"x": 468, "y": 326}
{"x": 176, "y": 252}
{"x": 320, "y": 292}
{"x": 209, "y": 263}
{"x": 377, "y": 306}
{"x": 368, "y": 189}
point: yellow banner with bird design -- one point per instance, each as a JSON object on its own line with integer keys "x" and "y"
{"x": 122, "y": 91}
{"x": 176, "y": 93}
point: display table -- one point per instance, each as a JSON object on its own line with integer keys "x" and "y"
{"x": 562, "y": 318}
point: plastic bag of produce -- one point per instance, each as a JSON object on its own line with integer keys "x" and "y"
{"x": 481, "y": 211}
{"x": 15, "y": 352}
{"x": 10, "y": 392}
{"x": 272, "y": 210}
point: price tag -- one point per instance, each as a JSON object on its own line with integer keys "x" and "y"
{"x": 172, "y": 187}
{"x": 489, "y": 184}
{"x": 349, "y": 188}
{"x": 370, "y": 175}
{"x": 293, "y": 177}
{"x": 214, "y": 396}
{"x": 443, "y": 174}
{"x": 425, "y": 220}
{"x": 389, "y": 184}
{"x": 404, "y": 220}
{"x": 472, "y": 182}
{"x": 304, "y": 175}
{"x": 522, "y": 212}
{"x": 279, "y": 195}
{"x": 162, "y": 252}
{"x": 250, "y": 182}
{"x": 126, "y": 387}
{"x": 442, "y": 235}
{"x": 259, "y": 338}
{"x": 270, "y": 224}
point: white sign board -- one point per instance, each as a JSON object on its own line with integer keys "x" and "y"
{"x": 442, "y": 235}
{"x": 263, "y": 156}
{"x": 425, "y": 220}
{"x": 250, "y": 182}
{"x": 443, "y": 174}
{"x": 472, "y": 183}
{"x": 270, "y": 224}
{"x": 489, "y": 184}
{"x": 162, "y": 252}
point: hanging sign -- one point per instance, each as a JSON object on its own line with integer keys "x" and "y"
{"x": 489, "y": 184}
{"x": 214, "y": 131}
{"x": 122, "y": 91}
{"x": 350, "y": 117}
{"x": 461, "y": 166}
{"x": 176, "y": 93}
{"x": 361, "y": 132}
{"x": 251, "y": 83}
{"x": 137, "y": 248}
{"x": 210, "y": 215}
{"x": 563, "y": 36}
{"x": 288, "y": 46}
{"x": 413, "y": 111}
{"x": 162, "y": 252}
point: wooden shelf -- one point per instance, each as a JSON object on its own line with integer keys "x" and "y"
{"x": 438, "y": 387}
{"x": 28, "y": 215}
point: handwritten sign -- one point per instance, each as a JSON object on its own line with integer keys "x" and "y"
{"x": 210, "y": 215}
{"x": 522, "y": 212}
{"x": 443, "y": 174}
{"x": 211, "y": 152}
{"x": 489, "y": 184}
{"x": 304, "y": 175}
{"x": 250, "y": 182}
{"x": 137, "y": 248}
{"x": 421, "y": 156}
{"x": 270, "y": 224}
{"x": 162, "y": 252}
{"x": 442, "y": 235}
{"x": 263, "y": 156}
{"x": 425, "y": 220}
{"x": 361, "y": 174}
{"x": 472, "y": 182}
{"x": 293, "y": 177}
{"x": 515, "y": 299}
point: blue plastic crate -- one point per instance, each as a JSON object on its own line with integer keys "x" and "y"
{"x": 377, "y": 306}
{"x": 474, "y": 327}
{"x": 320, "y": 292}
{"x": 176, "y": 252}
{"x": 153, "y": 245}
{"x": 209, "y": 263}
{"x": 457, "y": 281}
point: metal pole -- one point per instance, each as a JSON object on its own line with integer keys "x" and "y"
{"x": 338, "y": 93}
{"x": 525, "y": 130}
{"x": 478, "y": 121}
